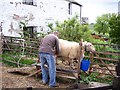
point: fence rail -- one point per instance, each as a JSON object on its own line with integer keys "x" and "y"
{"x": 103, "y": 62}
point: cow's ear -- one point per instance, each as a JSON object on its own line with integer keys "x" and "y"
{"x": 81, "y": 42}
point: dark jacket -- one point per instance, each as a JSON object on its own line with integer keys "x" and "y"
{"x": 50, "y": 44}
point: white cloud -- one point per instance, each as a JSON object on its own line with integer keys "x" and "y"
{"x": 94, "y": 8}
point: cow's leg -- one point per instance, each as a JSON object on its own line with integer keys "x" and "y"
{"x": 56, "y": 57}
{"x": 71, "y": 63}
{"x": 65, "y": 60}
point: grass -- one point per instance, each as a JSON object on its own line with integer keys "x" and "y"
{"x": 11, "y": 59}
{"x": 28, "y": 60}
{"x": 94, "y": 77}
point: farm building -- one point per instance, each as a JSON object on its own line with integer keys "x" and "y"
{"x": 37, "y": 14}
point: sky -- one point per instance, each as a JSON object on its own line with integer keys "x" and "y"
{"x": 94, "y": 8}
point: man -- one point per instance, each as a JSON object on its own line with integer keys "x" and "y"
{"x": 48, "y": 48}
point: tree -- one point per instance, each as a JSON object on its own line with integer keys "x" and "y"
{"x": 115, "y": 29}
{"x": 72, "y": 30}
{"x": 102, "y": 23}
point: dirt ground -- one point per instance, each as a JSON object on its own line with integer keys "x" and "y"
{"x": 17, "y": 81}
{"x": 10, "y": 80}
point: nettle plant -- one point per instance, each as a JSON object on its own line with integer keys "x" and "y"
{"x": 24, "y": 33}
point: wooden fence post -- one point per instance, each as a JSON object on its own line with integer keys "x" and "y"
{"x": 116, "y": 81}
{"x": 1, "y": 41}
{"x": 1, "y": 54}
{"x": 91, "y": 59}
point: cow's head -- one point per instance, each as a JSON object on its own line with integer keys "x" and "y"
{"x": 89, "y": 47}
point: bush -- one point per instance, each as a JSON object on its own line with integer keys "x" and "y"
{"x": 72, "y": 30}
{"x": 94, "y": 77}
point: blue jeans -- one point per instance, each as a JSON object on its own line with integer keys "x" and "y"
{"x": 51, "y": 71}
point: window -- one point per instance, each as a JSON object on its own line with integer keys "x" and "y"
{"x": 30, "y": 32}
{"x": 29, "y": 2}
{"x": 70, "y": 8}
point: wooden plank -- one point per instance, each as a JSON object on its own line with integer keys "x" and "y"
{"x": 99, "y": 72}
{"x": 66, "y": 76}
{"x": 33, "y": 73}
{"x": 66, "y": 70}
{"x": 106, "y": 66}
{"x": 109, "y": 87}
{"x": 101, "y": 68}
{"x": 59, "y": 69}
{"x": 106, "y": 44}
{"x": 19, "y": 45}
{"x": 95, "y": 63}
{"x": 107, "y": 59}
{"x": 22, "y": 71}
{"x": 109, "y": 53}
